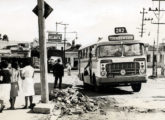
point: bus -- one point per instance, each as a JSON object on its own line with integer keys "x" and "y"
{"x": 118, "y": 61}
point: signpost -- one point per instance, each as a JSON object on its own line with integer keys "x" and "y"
{"x": 42, "y": 10}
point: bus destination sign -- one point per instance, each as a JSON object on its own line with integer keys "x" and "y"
{"x": 121, "y": 37}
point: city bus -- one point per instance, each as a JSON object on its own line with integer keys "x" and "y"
{"x": 118, "y": 61}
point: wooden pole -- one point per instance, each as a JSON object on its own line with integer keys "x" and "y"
{"x": 43, "y": 52}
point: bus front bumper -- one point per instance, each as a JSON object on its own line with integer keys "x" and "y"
{"x": 121, "y": 80}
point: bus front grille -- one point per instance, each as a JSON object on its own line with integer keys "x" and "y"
{"x": 130, "y": 68}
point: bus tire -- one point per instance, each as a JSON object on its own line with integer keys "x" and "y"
{"x": 85, "y": 85}
{"x": 136, "y": 87}
{"x": 95, "y": 86}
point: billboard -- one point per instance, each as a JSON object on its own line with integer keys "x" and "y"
{"x": 54, "y": 37}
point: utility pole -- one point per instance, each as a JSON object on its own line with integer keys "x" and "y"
{"x": 142, "y": 25}
{"x": 153, "y": 61}
{"x": 43, "y": 52}
{"x": 65, "y": 27}
{"x": 158, "y": 10}
{"x": 57, "y": 25}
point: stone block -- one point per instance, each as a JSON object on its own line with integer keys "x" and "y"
{"x": 43, "y": 108}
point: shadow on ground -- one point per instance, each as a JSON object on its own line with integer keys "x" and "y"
{"x": 37, "y": 87}
{"x": 104, "y": 91}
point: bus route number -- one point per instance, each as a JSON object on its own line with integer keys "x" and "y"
{"x": 120, "y": 30}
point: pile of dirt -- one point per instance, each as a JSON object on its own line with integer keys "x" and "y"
{"x": 71, "y": 101}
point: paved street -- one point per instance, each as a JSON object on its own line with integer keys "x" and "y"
{"x": 151, "y": 96}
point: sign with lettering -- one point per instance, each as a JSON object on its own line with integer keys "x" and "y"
{"x": 121, "y": 37}
{"x": 54, "y": 37}
{"x": 120, "y": 30}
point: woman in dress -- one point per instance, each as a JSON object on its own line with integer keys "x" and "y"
{"x": 27, "y": 75}
{"x": 14, "y": 84}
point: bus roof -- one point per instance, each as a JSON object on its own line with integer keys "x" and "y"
{"x": 113, "y": 43}
{"x": 120, "y": 42}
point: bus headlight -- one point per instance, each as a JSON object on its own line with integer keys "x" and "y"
{"x": 103, "y": 73}
{"x": 142, "y": 71}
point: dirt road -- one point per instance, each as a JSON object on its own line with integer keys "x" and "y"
{"x": 123, "y": 104}
{"x": 148, "y": 104}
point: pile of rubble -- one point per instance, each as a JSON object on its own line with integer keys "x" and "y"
{"x": 70, "y": 101}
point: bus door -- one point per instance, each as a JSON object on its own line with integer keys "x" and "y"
{"x": 88, "y": 69}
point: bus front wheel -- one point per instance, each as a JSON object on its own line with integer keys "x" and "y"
{"x": 96, "y": 87}
{"x": 85, "y": 85}
{"x": 136, "y": 87}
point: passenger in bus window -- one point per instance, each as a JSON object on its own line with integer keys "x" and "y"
{"x": 118, "y": 52}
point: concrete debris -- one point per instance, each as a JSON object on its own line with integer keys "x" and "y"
{"x": 70, "y": 101}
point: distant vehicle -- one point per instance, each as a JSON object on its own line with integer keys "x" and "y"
{"x": 52, "y": 60}
{"x": 118, "y": 61}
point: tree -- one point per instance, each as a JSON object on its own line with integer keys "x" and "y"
{"x": 5, "y": 38}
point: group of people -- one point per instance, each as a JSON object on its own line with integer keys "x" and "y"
{"x": 10, "y": 75}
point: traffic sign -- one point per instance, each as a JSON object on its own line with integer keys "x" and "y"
{"x": 47, "y": 11}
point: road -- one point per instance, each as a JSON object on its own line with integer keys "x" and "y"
{"x": 148, "y": 104}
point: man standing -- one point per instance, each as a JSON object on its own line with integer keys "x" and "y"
{"x": 58, "y": 72}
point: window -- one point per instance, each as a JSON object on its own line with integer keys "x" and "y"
{"x": 155, "y": 58}
{"x": 133, "y": 49}
{"x": 148, "y": 58}
{"x": 110, "y": 51}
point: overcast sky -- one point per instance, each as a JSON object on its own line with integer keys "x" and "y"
{"x": 90, "y": 18}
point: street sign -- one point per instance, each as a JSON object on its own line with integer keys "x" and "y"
{"x": 47, "y": 11}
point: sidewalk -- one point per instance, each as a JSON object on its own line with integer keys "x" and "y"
{"x": 24, "y": 114}
{"x": 21, "y": 114}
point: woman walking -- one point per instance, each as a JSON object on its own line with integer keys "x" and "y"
{"x": 14, "y": 84}
{"x": 27, "y": 75}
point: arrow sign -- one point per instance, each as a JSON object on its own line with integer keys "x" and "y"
{"x": 47, "y": 11}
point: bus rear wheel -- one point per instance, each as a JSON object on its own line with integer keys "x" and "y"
{"x": 85, "y": 85}
{"x": 136, "y": 87}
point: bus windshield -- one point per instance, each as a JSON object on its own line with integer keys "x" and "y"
{"x": 133, "y": 49}
{"x": 120, "y": 50}
{"x": 110, "y": 51}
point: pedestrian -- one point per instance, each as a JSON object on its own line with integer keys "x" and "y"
{"x": 14, "y": 84}
{"x": 58, "y": 72}
{"x": 68, "y": 68}
{"x": 27, "y": 75}
{"x": 5, "y": 78}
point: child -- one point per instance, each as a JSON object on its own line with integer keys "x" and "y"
{"x": 69, "y": 69}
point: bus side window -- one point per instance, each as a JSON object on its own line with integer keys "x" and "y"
{"x": 80, "y": 54}
{"x": 83, "y": 54}
{"x": 93, "y": 51}
{"x": 87, "y": 53}
{"x": 97, "y": 51}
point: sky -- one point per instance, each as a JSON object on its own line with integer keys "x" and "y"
{"x": 89, "y": 18}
